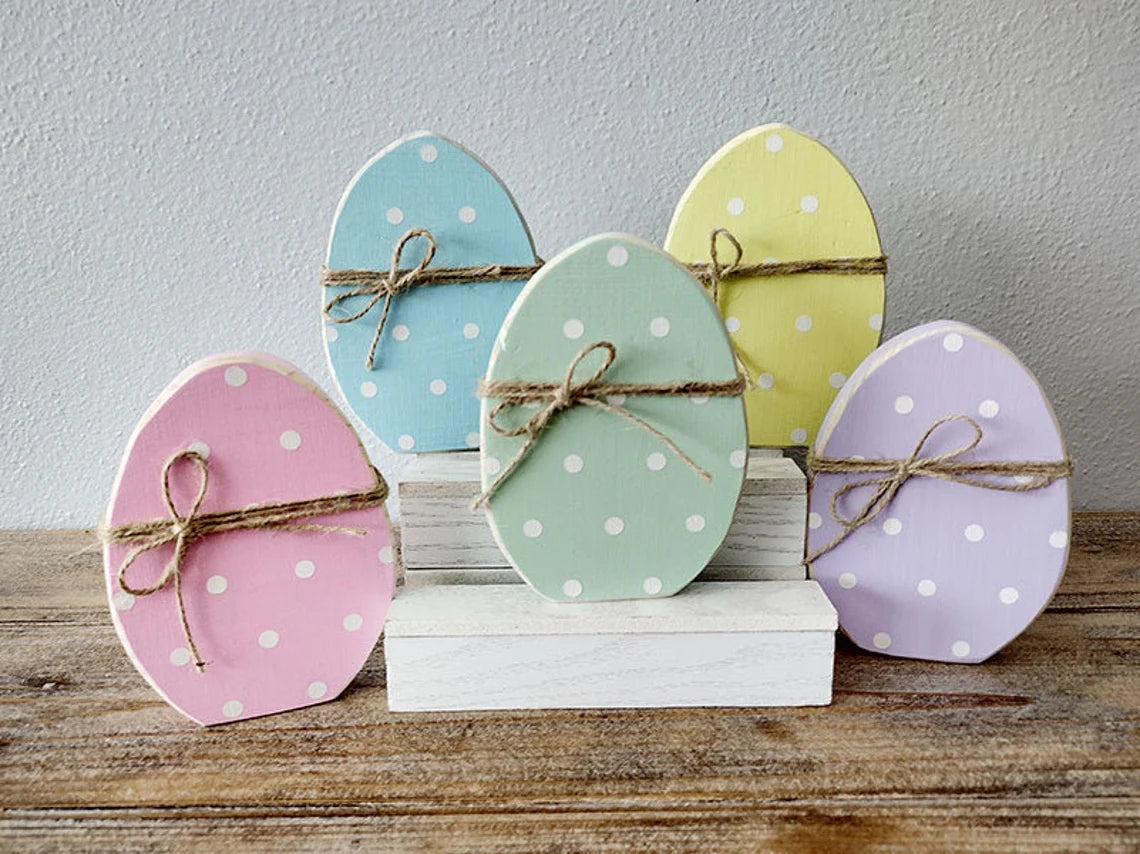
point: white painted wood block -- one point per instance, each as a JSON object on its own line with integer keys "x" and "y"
{"x": 501, "y": 646}
{"x": 440, "y": 531}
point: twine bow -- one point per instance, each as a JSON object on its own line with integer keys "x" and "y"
{"x": 592, "y": 392}
{"x": 948, "y": 466}
{"x": 381, "y": 285}
{"x": 184, "y": 529}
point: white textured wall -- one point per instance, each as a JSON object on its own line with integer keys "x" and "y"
{"x": 170, "y": 172}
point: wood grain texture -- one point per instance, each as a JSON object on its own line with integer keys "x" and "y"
{"x": 764, "y": 542}
{"x": 1037, "y": 749}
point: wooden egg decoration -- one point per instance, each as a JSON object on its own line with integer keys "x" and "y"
{"x": 419, "y": 393}
{"x": 601, "y": 508}
{"x": 785, "y": 197}
{"x": 947, "y": 571}
{"x": 282, "y": 618}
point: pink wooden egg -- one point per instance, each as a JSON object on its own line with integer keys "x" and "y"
{"x": 282, "y": 618}
{"x": 947, "y": 571}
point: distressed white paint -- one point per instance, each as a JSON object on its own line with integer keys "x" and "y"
{"x": 171, "y": 169}
{"x": 713, "y": 644}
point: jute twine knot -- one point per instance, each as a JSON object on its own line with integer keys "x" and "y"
{"x": 592, "y": 392}
{"x": 1020, "y": 476}
{"x": 385, "y": 285}
{"x": 193, "y": 525}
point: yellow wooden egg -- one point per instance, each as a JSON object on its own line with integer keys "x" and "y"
{"x": 785, "y": 197}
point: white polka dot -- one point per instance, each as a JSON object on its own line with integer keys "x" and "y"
{"x": 617, "y": 256}
{"x": 847, "y": 580}
{"x": 232, "y": 708}
{"x": 655, "y": 461}
{"x": 765, "y": 380}
{"x": 467, "y": 214}
{"x": 774, "y": 142}
{"x": 837, "y": 379}
{"x": 1008, "y": 595}
{"x": 268, "y": 639}
{"x": 573, "y": 329}
{"x": 615, "y": 399}
{"x": 217, "y": 584}
{"x": 881, "y": 640}
{"x": 960, "y": 649}
{"x": 737, "y": 459}
{"x": 952, "y": 342}
{"x": 735, "y": 206}
{"x": 200, "y": 448}
{"x": 652, "y": 585}
{"x": 428, "y": 154}
{"x": 732, "y": 324}
{"x": 401, "y": 333}
{"x": 875, "y": 321}
{"x": 975, "y": 533}
{"x": 573, "y": 463}
{"x": 809, "y": 204}
{"x": 892, "y": 527}
{"x": 659, "y": 327}
{"x": 1059, "y": 539}
{"x": 988, "y": 408}
{"x": 1023, "y": 479}
{"x": 695, "y": 523}
{"x": 316, "y": 690}
{"x": 123, "y": 601}
{"x": 353, "y": 622}
{"x": 770, "y": 260}
{"x": 305, "y": 568}
{"x": 290, "y": 440}
{"x": 532, "y": 528}
{"x": 331, "y": 334}
{"x": 492, "y": 466}
{"x": 406, "y": 442}
{"x": 472, "y": 440}
{"x": 531, "y": 404}
{"x": 799, "y": 435}
{"x": 470, "y": 330}
{"x": 386, "y": 555}
{"x": 904, "y": 404}
{"x": 572, "y": 588}
{"x": 803, "y": 323}
{"x": 815, "y": 521}
{"x": 700, "y": 399}
{"x": 368, "y": 388}
{"x": 180, "y": 656}
{"x": 927, "y": 587}
{"x": 395, "y": 216}
{"x": 614, "y": 525}
{"x": 438, "y": 387}
{"x": 235, "y": 376}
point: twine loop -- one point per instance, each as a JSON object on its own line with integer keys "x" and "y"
{"x": 592, "y": 392}
{"x": 193, "y": 525}
{"x": 1027, "y": 475}
{"x": 396, "y": 282}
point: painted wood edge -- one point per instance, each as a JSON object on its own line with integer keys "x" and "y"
{"x": 414, "y": 576}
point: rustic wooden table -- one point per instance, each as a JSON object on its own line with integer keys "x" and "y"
{"x": 1036, "y": 750}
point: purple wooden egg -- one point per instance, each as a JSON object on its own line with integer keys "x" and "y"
{"x": 947, "y": 571}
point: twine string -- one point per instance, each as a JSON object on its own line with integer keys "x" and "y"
{"x": 949, "y": 466}
{"x": 385, "y": 285}
{"x": 184, "y": 529}
{"x": 592, "y": 392}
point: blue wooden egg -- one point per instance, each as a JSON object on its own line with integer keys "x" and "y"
{"x": 601, "y": 507}
{"x": 419, "y": 393}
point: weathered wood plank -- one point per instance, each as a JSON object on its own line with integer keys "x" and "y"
{"x": 1037, "y": 749}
